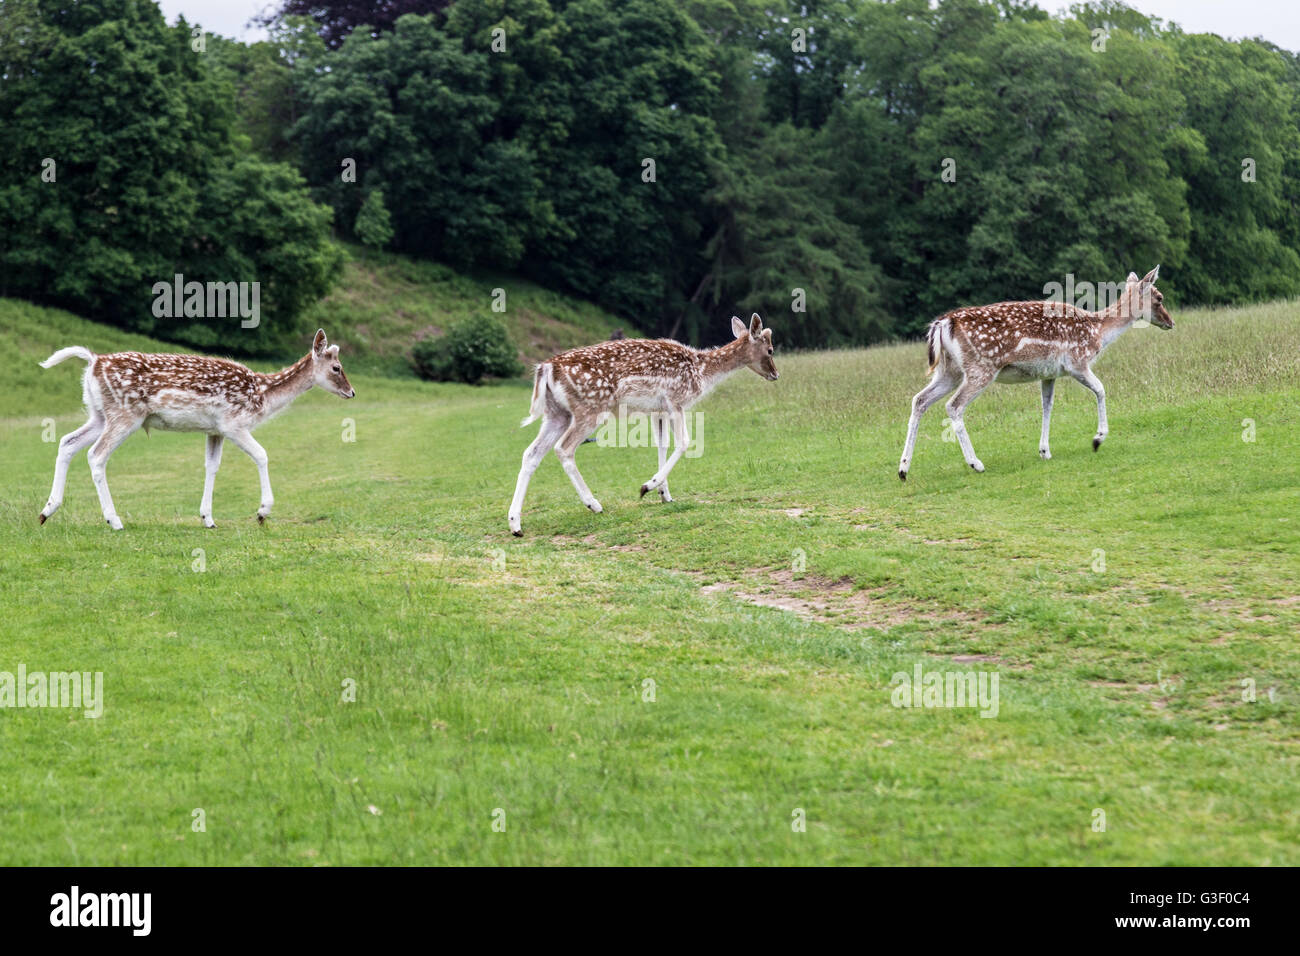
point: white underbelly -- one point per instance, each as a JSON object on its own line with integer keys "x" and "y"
{"x": 642, "y": 403}
{"x": 182, "y": 420}
{"x": 1033, "y": 371}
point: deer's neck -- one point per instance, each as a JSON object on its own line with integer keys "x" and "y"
{"x": 717, "y": 364}
{"x": 282, "y": 387}
{"x": 1115, "y": 319}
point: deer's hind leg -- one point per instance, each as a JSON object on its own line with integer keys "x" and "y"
{"x": 943, "y": 382}
{"x": 115, "y": 432}
{"x": 555, "y": 423}
{"x": 975, "y": 381}
{"x": 69, "y": 445}
{"x": 581, "y": 425}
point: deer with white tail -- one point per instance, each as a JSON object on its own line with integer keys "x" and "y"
{"x": 1016, "y": 342}
{"x": 575, "y": 391}
{"x": 125, "y": 391}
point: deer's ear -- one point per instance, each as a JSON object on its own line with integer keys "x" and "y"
{"x": 1150, "y": 277}
{"x": 1132, "y": 277}
{"x": 332, "y": 350}
{"x": 755, "y": 325}
{"x": 737, "y": 327}
{"x": 318, "y": 344}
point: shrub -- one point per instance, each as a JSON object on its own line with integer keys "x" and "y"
{"x": 469, "y": 351}
{"x": 374, "y": 227}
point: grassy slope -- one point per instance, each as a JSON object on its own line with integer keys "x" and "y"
{"x": 385, "y": 303}
{"x": 502, "y": 673}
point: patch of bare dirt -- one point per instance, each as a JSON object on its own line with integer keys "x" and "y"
{"x": 592, "y": 541}
{"x": 818, "y": 598}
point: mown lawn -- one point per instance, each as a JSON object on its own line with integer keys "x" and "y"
{"x": 1128, "y": 600}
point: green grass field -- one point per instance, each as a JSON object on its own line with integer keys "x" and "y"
{"x": 1128, "y": 600}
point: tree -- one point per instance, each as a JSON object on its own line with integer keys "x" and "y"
{"x": 122, "y": 169}
{"x": 374, "y": 226}
{"x": 335, "y": 20}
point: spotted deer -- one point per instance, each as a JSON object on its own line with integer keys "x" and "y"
{"x": 1016, "y": 342}
{"x": 124, "y": 391}
{"x": 576, "y": 390}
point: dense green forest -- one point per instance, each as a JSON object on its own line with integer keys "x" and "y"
{"x": 848, "y": 169}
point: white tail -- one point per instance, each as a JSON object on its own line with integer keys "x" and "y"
{"x": 1017, "y": 342}
{"x": 574, "y": 391}
{"x": 62, "y": 355}
{"x": 126, "y": 390}
{"x": 541, "y": 384}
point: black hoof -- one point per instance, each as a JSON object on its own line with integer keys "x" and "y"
{"x": 41, "y": 516}
{"x": 1096, "y": 443}
{"x": 517, "y": 534}
{"x": 902, "y": 475}
{"x": 644, "y": 489}
{"x": 261, "y": 519}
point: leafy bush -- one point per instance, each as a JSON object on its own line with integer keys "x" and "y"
{"x": 471, "y": 350}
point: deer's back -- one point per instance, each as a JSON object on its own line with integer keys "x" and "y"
{"x": 176, "y": 391}
{"x": 628, "y": 370}
{"x": 1009, "y": 332}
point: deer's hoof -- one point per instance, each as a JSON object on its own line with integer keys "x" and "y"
{"x": 1044, "y": 454}
{"x": 519, "y": 533}
{"x": 902, "y": 474}
{"x": 114, "y": 523}
{"x": 1096, "y": 444}
{"x": 977, "y": 465}
{"x": 645, "y": 489}
{"x": 595, "y": 507}
{"x": 261, "y": 518}
{"x": 208, "y": 522}
{"x": 41, "y": 517}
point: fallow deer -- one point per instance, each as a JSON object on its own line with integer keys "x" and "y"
{"x": 1016, "y": 342}
{"x": 124, "y": 391}
{"x": 576, "y": 390}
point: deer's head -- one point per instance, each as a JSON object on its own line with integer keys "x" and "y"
{"x": 327, "y": 369}
{"x": 757, "y": 345}
{"x": 1148, "y": 301}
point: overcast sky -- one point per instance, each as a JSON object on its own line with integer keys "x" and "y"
{"x": 1276, "y": 20}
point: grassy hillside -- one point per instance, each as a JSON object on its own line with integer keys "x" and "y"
{"x": 385, "y": 303}
{"x": 1127, "y": 600}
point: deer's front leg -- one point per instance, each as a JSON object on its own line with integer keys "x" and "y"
{"x": 1092, "y": 383}
{"x": 211, "y": 462}
{"x": 246, "y": 443}
{"x": 1044, "y": 448}
{"x": 680, "y": 441}
{"x": 661, "y": 440}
